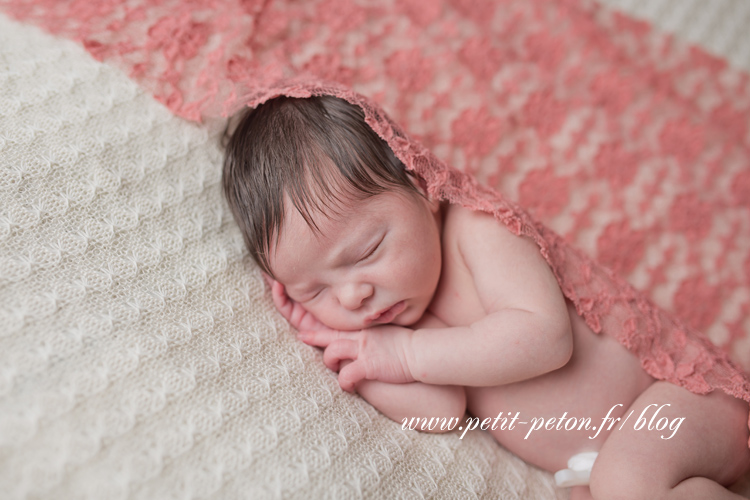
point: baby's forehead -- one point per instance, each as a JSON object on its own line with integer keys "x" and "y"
{"x": 301, "y": 245}
{"x": 332, "y": 201}
{"x": 326, "y": 220}
{"x": 338, "y": 222}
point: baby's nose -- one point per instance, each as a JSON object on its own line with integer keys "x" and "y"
{"x": 353, "y": 295}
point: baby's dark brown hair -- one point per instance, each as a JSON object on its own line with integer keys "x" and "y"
{"x": 315, "y": 152}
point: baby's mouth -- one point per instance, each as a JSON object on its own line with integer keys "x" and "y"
{"x": 387, "y": 315}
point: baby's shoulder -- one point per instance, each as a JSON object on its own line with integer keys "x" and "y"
{"x": 479, "y": 236}
{"x": 456, "y": 217}
{"x": 464, "y": 225}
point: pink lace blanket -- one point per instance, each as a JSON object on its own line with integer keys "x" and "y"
{"x": 630, "y": 146}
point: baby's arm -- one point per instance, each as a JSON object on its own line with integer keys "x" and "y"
{"x": 415, "y": 399}
{"x": 396, "y": 401}
{"x": 526, "y": 331}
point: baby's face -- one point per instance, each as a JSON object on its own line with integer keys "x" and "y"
{"x": 379, "y": 262}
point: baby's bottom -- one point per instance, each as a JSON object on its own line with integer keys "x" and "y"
{"x": 708, "y": 450}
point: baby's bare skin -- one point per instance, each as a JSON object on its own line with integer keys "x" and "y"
{"x": 599, "y": 375}
{"x": 496, "y": 335}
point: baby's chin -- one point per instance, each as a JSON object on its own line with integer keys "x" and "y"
{"x": 411, "y": 315}
{"x": 407, "y": 318}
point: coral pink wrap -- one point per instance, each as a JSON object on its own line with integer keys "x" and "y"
{"x": 632, "y": 146}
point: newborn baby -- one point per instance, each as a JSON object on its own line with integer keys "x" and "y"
{"x": 428, "y": 309}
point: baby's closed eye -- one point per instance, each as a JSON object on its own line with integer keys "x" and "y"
{"x": 371, "y": 252}
{"x": 308, "y": 296}
{"x": 304, "y": 294}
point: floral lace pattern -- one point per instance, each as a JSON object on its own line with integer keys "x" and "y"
{"x": 625, "y": 143}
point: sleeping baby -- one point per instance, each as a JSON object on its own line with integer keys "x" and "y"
{"x": 431, "y": 310}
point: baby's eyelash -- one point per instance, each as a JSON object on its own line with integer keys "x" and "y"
{"x": 369, "y": 254}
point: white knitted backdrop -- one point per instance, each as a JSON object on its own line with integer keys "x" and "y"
{"x": 140, "y": 355}
{"x": 718, "y": 26}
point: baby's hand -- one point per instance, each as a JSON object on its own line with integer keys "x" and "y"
{"x": 294, "y": 313}
{"x": 377, "y": 353}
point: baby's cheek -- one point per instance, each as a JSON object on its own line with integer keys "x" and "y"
{"x": 335, "y": 317}
{"x": 323, "y": 311}
{"x": 412, "y": 263}
{"x": 428, "y": 265}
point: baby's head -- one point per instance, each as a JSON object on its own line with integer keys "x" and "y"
{"x": 327, "y": 209}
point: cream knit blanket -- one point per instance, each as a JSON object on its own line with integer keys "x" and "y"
{"x": 140, "y": 355}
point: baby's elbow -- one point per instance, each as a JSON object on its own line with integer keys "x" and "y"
{"x": 451, "y": 411}
{"x": 563, "y": 346}
{"x": 455, "y": 407}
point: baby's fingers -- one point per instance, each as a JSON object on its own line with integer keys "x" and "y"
{"x": 268, "y": 279}
{"x": 298, "y": 316}
{"x": 281, "y": 300}
{"x": 321, "y": 338}
{"x": 350, "y": 375}
{"x": 338, "y": 351}
{"x": 272, "y": 284}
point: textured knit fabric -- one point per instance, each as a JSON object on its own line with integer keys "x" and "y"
{"x": 630, "y": 145}
{"x": 140, "y": 354}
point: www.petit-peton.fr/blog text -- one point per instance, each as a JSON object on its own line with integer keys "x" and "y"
{"x": 647, "y": 420}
